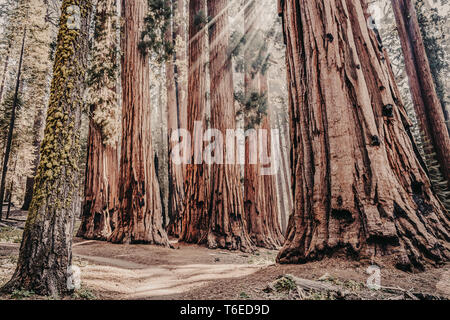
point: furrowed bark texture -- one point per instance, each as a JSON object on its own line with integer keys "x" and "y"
{"x": 140, "y": 213}
{"x": 195, "y": 216}
{"x": 358, "y": 187}
{"x": 101, "y": 203}
{"x": 227, "y": 229}
{"x": 426, "y": 102}
{"x": 46, "y": 249}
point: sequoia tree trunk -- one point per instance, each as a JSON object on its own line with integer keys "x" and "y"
{"x": 358, "y": 186}
{"x": 259, "y": 197}
{"x": 423, "y": 91}
{"x": 175, "y": 103}
{"x": 194, "y": 224}
{"x": 270, "y": 216}
{"x": 101, "y": 203}
{"x": 140, "y": 213}
{"x": 45, "y": 254}
{"x": 227, "y": 229}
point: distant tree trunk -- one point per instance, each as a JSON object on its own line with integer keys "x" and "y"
{"x": 11, "y": 127}
{"x": 359, "y": 189}
{"x": 253, "y": 197}
{"x": 259, "y": 196}
{"x": 140, "y": 215}
{"x": 37, "y": 127}
{"x": 46, "y": 251}
{"x": 426, "y": 102}
{"x": 195, "y": 217}
{"x": 101, "y": 203}
{"x": 270, "y": 216}
{"x": 174, "y": 104}
{"x": 227, "y": 228}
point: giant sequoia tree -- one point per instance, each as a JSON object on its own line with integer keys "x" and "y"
{"x": 140, "y": 213}
{"x": 100, "y": 193}
{"x": 194, "y": 222}
{"x": 358, "y": 186}
{"x": 423, "y": 91}
{"x": 46, "y": 249}
{"x": 227, "y": 227}
{"x": 260, "y": 198}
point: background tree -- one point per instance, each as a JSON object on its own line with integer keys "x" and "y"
{"x": 426, "y": 102}
{"x": 101, "y": 195}
{"x": 140, "y": 215}
{"x": 378, "y": 200}
{"x": 227, "y": 227}
{"x": 194, "y": 221}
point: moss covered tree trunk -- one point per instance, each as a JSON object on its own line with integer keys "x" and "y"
{"x": 194, "y": 222}
{"x": 46, "y": 250}
{"x": 140, "y": 213}
{"x": 426, "y": 101}
{"x": 227, "y": 227}
{"x": 358, "y": 186}
{"x": 101, "y": 203}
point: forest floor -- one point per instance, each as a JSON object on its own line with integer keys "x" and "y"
{"x": 110, "y": 271}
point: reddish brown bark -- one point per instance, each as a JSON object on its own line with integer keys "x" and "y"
{"x": 358, "y": 186}
{"x": 426, "y": 102}
{"x": 226, "y": 226}
{"x": 260, "y": 198}
{"x": 140, "y": 213}
{"x": 175, "y": 102}
{"x": 101, "y": 203}
{"x": 194, "y": 224}
{"x": 270, "y": 213}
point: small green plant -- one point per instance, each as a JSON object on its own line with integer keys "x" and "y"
{"x": 21, "y": 294}
{"x": 243, "y": 295}
{"x": 84, "y": 294}
{"x": 285, "y": 284}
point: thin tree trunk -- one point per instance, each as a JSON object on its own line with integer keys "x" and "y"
{"x": 11, "y": 125}
{"x": 227, "y": 227}
{"x": 359, "y": 189}
{"x": 195, "y": 216}
{"x": 45, "y": 254}
{"x": 426, "y": 102}
{"x": 140, "y": 214}
{"x": 37, "y": 127}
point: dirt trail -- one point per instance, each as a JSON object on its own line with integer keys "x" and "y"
{"x": 144, "y": 272}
